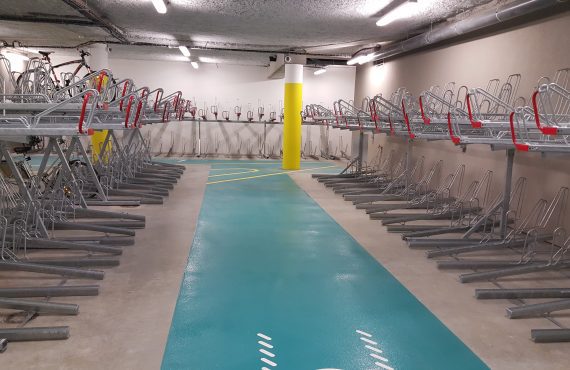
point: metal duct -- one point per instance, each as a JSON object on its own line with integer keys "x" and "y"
{"x": 476, "y": 22}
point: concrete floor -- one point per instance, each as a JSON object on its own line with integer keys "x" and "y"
{"x": 126, "y": 326}
{"x": 482, "y": 325}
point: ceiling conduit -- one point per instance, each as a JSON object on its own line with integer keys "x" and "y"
{"x": 473, "y": 23}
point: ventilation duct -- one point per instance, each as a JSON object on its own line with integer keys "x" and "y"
{"x": 476, "y": 22}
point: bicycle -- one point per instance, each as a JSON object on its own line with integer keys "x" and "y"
{"x": 68, "y": 77}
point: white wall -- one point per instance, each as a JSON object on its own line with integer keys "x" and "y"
{"x": 228, "y": 86}
{"x": 538, "y": 49}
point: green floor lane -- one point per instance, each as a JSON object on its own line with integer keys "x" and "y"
{"x": 273, "y": 282}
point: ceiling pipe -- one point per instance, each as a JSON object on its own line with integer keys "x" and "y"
{"x": 473, "y": 23}
{"x": 48, "y": 19}
{"x": 82, "y": 7}
{"x": 207, "y": 48}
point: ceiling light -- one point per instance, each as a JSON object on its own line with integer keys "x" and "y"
{"x": 404, "y": 11}
{"x": 355, "y": 60}
{"x": 320, "y": 71}
{"x": 159, "y": 5}
{"x": 366, "y": 58}
{"x": 184, "y": 50}
{"x": 195, "y": 65}
{"x": 361, "y": 59}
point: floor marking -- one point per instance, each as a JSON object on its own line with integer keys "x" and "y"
{"x": 264, "y": 368}
{"x": 373, "y": 349}
{"x": 267, "y": 353}
{"x": 373, "y": 355}
{"x": 267, "y": 345}
{"x": 252, "y": 170}
{"x": 263, "y": 336}
{"x": 364, "y": 333}
{"x": 268, "y": 362}
{"x": 383, "y": 366}
{"x": 268, "y": 174}
{"x": 368, "y": 341}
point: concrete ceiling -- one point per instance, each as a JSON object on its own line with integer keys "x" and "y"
{"x": 323, "y": 27}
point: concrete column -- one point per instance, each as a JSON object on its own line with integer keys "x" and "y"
{"x": 99, "y": 58}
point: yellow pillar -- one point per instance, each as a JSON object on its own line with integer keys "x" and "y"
{"x": 292, "y": 108}
{"x": 99, "y": 59}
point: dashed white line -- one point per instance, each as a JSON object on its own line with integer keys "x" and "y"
{"x": 266, "y": 345}
{"x": 268, "y": 362}
{"x": 383, "y": 366}
{"x": 263, "y": 336}
{"x": 267, "y": 353}
{"x": 378, "y": 357}
{"x": 364, "y": 333}
{"x": 264, "y": 368}
{"x": 368, "y": 341}
{"x": 373, "y": 349}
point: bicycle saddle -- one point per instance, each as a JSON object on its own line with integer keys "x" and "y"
{"x": 45, "y": 53}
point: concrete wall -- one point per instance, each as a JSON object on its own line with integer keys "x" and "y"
{"x": 227, "y": 86}
{"x": 539, "y": 49}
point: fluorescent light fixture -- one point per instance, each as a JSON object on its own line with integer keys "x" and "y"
{"x": 361, "y": 59}
{"x": 355, "y": 60}
{"x": 184, "y": 50}
{"x": 404, "y": 11}
{"x": 367, "y": 58}
{"x": 159, "y": 5}
{"x": 320, "y": 71}
{"x": 195, "y": 65}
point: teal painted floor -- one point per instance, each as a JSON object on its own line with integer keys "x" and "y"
{"x": 273, "y": 282}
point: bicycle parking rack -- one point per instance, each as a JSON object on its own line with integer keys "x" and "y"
{"x": 48, "y": 209}
{"x": 470, "y": 222}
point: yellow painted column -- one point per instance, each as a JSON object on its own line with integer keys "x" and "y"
{"x": 99, "y": 59}
{"x": 292, "y": 108}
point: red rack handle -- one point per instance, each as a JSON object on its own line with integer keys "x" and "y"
{"x": 100, "y": 84}
{"x": 83, "y": 111}
{"x": 164, "y": 112}
{"x": 123, "y": 95}
{"x": 427, "y": 121}
{"x": 138, "y": 114}
{"x": 474, "y": 124}
{"x": 374, "y": 116}
{"x": 158, "y": 92}
{"x": 412, "y": 136}
{"x": 546, "y": 130}
{"x": 177, "y": 100}
{"x": 521, "y": 147}
{"x": 128, "y": 112}
{"x": 456, "y": 140}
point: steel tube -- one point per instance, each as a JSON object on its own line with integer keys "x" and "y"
{"x": 50, "y": 291}
{"x": 522, "y": 293}
{"x": 39, "y": 307}
{"x": 513, "y": 271}
{"x": 77, "y": 262}
{"x": 35, "y": 334}
{"x": 38, "y": 243}
{"x": 538, "y": 309}
{"x": 550, "y": 335}
{"x": 53, "y": 270}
